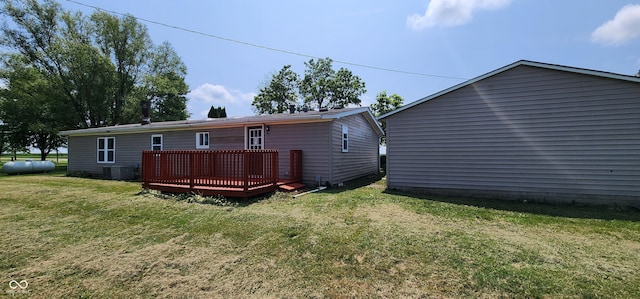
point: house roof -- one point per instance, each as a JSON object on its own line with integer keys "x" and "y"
{"x": 511, "y": 66}
{"x": 211, "y": 123}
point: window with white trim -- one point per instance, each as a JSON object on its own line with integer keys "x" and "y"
{"x": 345, "y": 138}
{"x": 156, "y": 142}
{"x": 202, "y": 140}
{"x": 106, "y": 150}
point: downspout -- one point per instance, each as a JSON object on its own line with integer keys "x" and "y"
{"x": 330, "y": 143}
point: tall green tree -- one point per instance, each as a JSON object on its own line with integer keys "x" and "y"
{"x": 126, "y": 42}
{"x": 102, "y": 65}
{"x": 315, "y": 86}
{"x": 29, "y": 109}
{"x": 278, "y": 93}
{"x": 34, "y": 31}
{"x": 346, "y": 88}
{"x": 323, "y": 87}
{"x": 165, "y": 85}
{"x": 385, "y": 104}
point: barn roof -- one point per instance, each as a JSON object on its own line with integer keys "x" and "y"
{"x": 511, "y": 66}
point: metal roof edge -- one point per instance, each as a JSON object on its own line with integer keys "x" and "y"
{"x": 373, "y": 121}
{"x": 275, "y": 119}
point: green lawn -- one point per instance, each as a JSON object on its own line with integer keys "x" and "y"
{"x": 71, "y": 237}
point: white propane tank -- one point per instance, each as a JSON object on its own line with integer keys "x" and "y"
{"x": 28, "y": 166}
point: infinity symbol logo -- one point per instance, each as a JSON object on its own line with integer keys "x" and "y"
{"x": 23, "y": 284}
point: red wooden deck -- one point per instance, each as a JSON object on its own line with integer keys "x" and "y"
{"x": 242, "y": 173}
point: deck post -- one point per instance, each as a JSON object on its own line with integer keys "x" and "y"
{"x": 246, "y": 170}
{"x": 191, "y": 170}
{"x": 274, "y": 168}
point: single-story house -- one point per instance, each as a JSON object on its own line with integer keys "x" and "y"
{"x": 525, "y": 131}
{"x": 337, "y": 144}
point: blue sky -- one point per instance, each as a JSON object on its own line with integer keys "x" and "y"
{"x": 445, "y": 41}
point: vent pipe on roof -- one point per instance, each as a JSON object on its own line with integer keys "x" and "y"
{"x": 145, "y": 106}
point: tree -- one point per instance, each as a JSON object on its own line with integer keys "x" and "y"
{"x": 315, "y": 86}
{"x": 126, "y": 42}
{"x": 323, "y": 87}
{"x": 165, "y": 86}
{"x": 346, "y": 88}
{"x": 36, "y": 35}
{"x": 217, "y": 112}
{"x": 280, "y": 92}
{"x": 28, "y": 107}
{"x": 385, "y": 104}
{"x": 3, "y": 135}
{"x": 102, "y": 65}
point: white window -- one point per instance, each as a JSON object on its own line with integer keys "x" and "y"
{"x": 106, "y": 150}
{"x": 202, "y": 140}
{"x": 345, "y": 139}
{"x": 156, "y": 142}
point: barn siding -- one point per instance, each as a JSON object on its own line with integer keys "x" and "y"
{"x": 524, "y": 133}
{"x": 363, "y": 155}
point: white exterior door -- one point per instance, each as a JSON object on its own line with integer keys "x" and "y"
{"x": 255, "y": 138}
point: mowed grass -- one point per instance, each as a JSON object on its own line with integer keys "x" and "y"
{"x": 71, "y": 237}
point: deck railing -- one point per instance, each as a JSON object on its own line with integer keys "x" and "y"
{"x": 244, "y": 169}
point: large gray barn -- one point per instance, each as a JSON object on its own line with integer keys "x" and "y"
{"x": 528, "y": 130}
{"x": 337, "y": 145}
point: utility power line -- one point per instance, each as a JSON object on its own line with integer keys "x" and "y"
{"x": 262, "y": 46}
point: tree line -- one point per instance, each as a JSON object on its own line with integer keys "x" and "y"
{"x": 65, "y": 70}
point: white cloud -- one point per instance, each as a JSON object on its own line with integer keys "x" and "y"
{"x": 625, "y": 26}
{"x": 451, "y": 12}
{"x": 236, "y": 102}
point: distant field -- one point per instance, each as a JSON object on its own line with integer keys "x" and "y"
{"x": 22, "y": 156}
{"x": 84, "y": 238}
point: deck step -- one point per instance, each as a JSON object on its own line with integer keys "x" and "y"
{"x": 292, "y": 186}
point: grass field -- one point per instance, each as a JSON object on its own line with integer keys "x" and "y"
{"x": 59, "y": 160}
{"x": 71, "y": 237}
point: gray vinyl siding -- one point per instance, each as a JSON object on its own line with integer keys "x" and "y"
{"x": 314, "y": 141}
{"x": 363, "y": 155}
{"x": 129, "y": 147}
{"x": 319, "y": 140}
{"x": 226, "y": 139}
{"x": 82, "y": 153}
{"x": 524, "y": 133}
{"x": 128, "y": 152}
